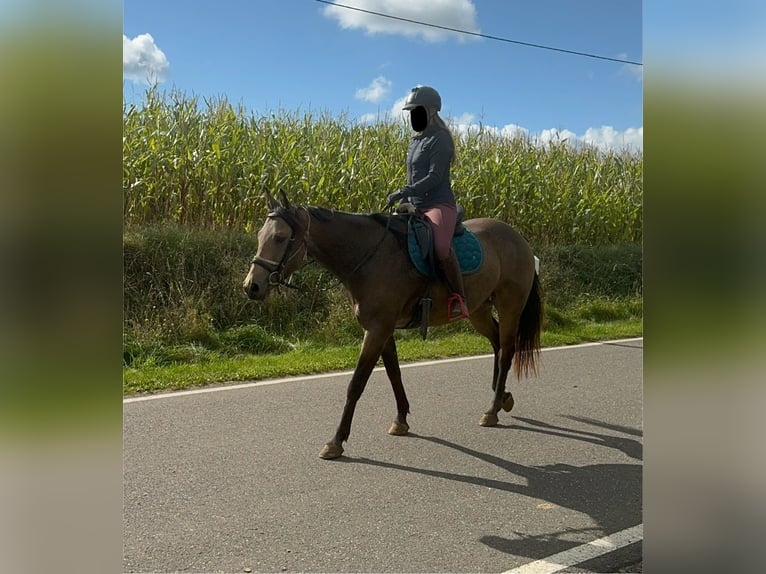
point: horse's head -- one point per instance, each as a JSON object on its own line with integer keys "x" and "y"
{"x": 281, "y": 247}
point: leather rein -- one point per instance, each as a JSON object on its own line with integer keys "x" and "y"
{"x": 275, "y": 268}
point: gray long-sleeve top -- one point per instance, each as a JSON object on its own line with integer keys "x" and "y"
{"x": 428, "y": 168}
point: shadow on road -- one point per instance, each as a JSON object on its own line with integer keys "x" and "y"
{"x": 609, "y": 493}
{"x": 631, "y": 447}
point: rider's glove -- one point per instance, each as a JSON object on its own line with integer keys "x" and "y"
{"x": 394, "y": 197}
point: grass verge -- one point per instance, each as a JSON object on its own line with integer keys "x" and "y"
{"x": 211, "y": 367}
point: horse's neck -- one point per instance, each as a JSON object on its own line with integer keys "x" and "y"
{"x": 342, "y": 241}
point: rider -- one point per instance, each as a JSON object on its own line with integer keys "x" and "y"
{"x": 429, "y": 189}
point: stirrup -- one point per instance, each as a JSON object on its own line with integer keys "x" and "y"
{"x": 459, "y": 312}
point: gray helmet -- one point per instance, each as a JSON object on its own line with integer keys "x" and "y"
{"x": 424, "y": 96}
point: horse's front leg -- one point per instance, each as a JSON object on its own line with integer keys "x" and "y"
{"x": 391, "y": 361}
{"x": 372, "y": 346}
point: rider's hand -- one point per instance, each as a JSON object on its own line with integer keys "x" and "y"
{"x": 393, "y": 198}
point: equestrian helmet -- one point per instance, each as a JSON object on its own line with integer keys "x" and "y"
{"x": 424, "y": 96}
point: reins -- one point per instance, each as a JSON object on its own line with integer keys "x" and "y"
{"x": 364, "y": 260}
{"x": 275, "y": 268}
{"x": 374, "y": 249}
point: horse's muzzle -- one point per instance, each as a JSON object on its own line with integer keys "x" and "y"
{"x": 254, "y": 291}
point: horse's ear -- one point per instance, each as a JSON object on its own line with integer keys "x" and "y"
{"x": 271, "y": 203}
{"x": 283, "y": 197}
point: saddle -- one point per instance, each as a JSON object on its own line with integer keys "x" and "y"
{"x": 420, "y": 243}
{"x": 421, "y": 251}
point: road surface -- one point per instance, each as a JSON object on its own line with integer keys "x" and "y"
{"x": 228, "y": 479}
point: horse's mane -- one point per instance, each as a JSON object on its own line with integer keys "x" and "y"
{"x": 325, "y": 215}
{"x": 290, "y": 214}
{"x": 321, "y": 213}
{"x": 380, "y": 218}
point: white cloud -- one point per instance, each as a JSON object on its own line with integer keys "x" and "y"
{"x": 463, "y": 124}
{"x": 512, "y": 131}
{"x": 632, "y": 70}
{"x": 464, "y": 119}
{"x": 460, "y": 14}
{"x": 143, "y": 61}
{"x": 378, "y": 89}
{"x": 556, "y": 136}
{"x": 397, "y": 113}
{"x": 636, "y": 72}
{"x": 606, "y": 137}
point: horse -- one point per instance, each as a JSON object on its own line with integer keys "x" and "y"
{"x": 365, "y": 255}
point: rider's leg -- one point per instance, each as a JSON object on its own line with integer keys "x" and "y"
{"x": 443, "y": 219}
{"x": 457, "y": 308}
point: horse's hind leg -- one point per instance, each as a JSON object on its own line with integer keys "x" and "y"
{"x": 502, "y": 399}
{"x": 391, "y": 362}
{"x": 485, "y": 324}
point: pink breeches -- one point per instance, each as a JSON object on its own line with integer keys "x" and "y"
{"x": 443, "y": 218}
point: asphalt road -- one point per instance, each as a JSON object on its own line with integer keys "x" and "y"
{"x": 231, "y": 480}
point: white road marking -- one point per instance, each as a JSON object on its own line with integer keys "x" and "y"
{"x": 233, "y": 387}
{"x": 580, "y": 554}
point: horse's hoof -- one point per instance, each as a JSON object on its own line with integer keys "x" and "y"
{"x": 508, "y": 403}
{"x": 331, "y": 451}
{"x": 488, "y": 420}
{"x": 399, "y": 429}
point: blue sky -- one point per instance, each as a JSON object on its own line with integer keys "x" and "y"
{"x": 272, "y": 55}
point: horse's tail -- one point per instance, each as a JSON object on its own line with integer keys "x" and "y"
{"x": 527, "y": 350}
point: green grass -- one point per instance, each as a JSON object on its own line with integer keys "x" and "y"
{"x": 187, "y": 324}
{"x": 209, "y": 367}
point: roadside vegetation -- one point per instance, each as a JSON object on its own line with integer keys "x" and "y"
{"x": 194, "y": 173}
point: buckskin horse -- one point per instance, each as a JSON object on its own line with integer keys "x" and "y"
{"x": 368, "y": 258}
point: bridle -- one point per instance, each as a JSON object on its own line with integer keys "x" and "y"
{"x": 275, "y": 268}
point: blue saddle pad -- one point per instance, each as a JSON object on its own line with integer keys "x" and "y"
{"x": 469, "y": 252}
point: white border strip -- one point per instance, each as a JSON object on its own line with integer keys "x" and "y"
{"x": 580, "y": 554}
{"x": 227, "y": 387}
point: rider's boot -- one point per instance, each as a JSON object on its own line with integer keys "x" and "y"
{"x": 456, "y": 307}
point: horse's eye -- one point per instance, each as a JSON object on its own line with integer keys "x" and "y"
{"x": 280, "y": 239}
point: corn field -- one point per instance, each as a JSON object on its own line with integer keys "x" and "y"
{"x": 205, "y": 165}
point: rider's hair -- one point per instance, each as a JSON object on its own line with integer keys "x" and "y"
{"x": 442, "y": 124}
